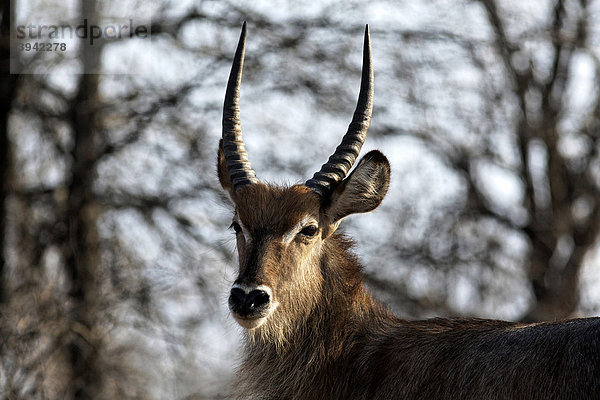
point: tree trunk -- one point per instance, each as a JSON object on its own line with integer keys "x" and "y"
{"x": 82, "y": 256}
{"x": 8, "y": 84}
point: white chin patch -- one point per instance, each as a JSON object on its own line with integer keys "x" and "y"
{"x": 250, "y": 323}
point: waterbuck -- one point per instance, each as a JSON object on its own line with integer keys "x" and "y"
{"x": 312, "y": 331}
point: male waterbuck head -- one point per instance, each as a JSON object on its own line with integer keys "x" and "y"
{"x": 281, "y": 230}
{"x": 315, "y": 332}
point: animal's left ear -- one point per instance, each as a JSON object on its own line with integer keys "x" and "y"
{"x": 362, "y": 191}
{"x": 222, "y": 171}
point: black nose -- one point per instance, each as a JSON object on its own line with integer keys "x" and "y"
{"x": 246, "y": 304}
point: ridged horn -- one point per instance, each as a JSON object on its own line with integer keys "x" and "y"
{"x": 239, "y": 168}
{"x": 338, "y": 165}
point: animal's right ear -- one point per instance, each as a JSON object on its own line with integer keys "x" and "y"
{"x": 361, "y": 192}
{"x": 223, "y": 172}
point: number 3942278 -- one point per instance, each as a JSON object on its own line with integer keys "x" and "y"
{"x": 42, "y": 46}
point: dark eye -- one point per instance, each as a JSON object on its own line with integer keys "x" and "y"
{"x": 309, "y": 231}
{"x": 236, "y": 227}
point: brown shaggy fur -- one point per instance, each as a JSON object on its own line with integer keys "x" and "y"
{"x": 328, "y": 339}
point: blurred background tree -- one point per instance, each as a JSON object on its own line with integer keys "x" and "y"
{"x": 116, "y": 258}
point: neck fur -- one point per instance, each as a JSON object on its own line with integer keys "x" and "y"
{"x": 327, "y": 334}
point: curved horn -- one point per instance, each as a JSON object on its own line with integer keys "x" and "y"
{"x": 239, "y": 168}
{"x": 338, "y": 165}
